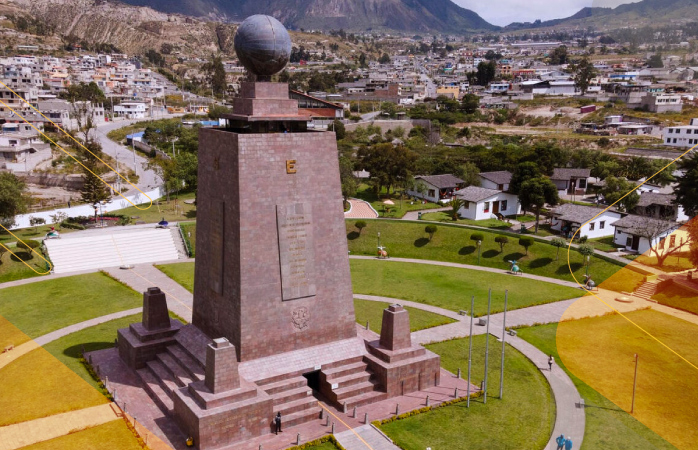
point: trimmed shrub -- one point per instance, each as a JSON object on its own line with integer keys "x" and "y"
{"x": 502, "y": 241}
{"x": 477, "y": 237}
{"x": 360, "y": 225}
{"x": 526, "y": 242}
{"x": 430, "y": 230}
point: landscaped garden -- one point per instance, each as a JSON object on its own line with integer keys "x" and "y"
{"x": 451, "y": 288}
{"x": 678, "y": 297}
{"x": 13, "y": 267}
{"x": 598, "y": 353}
{"x": 456, "y": 244}
{"x": 396, "y": 210}
{"x": 45, "y": 306}
{"x": 173, "y": 210}
{"x": 677, "y": 262}
{"x": 523, "y": 419}
{"x": 372, "y": 312}
{"x": 442, "y": 216}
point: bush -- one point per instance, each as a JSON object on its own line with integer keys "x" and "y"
{"x": 502, "y": 241}
{"x": 526, "y": 242}
{"x": 477, "y": 237}
{"x": 430, "y": 230}
{"x": 604, "y": 142}
{"x": 71, "y": 225}
{"x": 360, "y": 224}
{"x": 583, "y": 239}
{"x": 28, "y": 246}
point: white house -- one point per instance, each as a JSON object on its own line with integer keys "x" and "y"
{"x": 571, "y": 181}
{"x": 22, "y": 151}
{"x": 131, "y": 110}
{"x": 435, "y": 188}
{"x": 660, "y": 206}
{"x": 681, "y": 136}
{"x": 639, "y": 234}
{"x": 482, "y": 203}
{"x": 495, "y": 180}
{"x": 569, "y": 218}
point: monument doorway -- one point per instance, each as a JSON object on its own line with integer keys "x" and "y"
{"x": 313, "y": 380}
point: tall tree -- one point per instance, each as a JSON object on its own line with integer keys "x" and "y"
{"x": 584, "y": 72}
{"x": 535, "y": 193}
{"x": 615, "y": 188}
{"x": 523, "y": 172}
{"x": 346, "y": 176}
{"x": 93, "y": 191}
{"x": 486, "y": 71}
{"x": 13, "y": 198}
{"x": 686, "y": 190}
{"x": 216, "y": 74}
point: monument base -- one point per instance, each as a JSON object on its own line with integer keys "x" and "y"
{"x": 403, "y": 371}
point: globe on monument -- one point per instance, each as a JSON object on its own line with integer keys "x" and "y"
{"x": 263, "y": 45}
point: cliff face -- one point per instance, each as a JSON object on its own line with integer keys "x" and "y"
{"x": 132, "y": 29}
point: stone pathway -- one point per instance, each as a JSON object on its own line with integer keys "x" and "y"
{"x": 50, "y": 337}
{"x": 365, "y": 437}
{"x": 360, "y": 210}
{"x": 39, "y": 430}
{"x": 142, "y": 276}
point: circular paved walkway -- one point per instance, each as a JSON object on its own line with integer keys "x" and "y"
{"x": 360, "y": 210}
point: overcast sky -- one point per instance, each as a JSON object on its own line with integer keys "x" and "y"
{"x": 504, "y": 12}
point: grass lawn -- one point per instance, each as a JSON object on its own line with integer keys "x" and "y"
{"x": 487, "y": 223}
{"x": 677, "y": 297}
{"x": 367, "y": 310}
{"x": 12, "y": 268}
{"x": 174, "y": 210}
{"x": 189, "y": 230}
{"x": 453, "y": 244}
{"x": 45, "y": 306}
{"x": 10, "y": 334}
{"x": 182, "y": 273}
{"x": 30, "y": 233}
{"x": 37, "y": 385}
{"x": 522, "y": 420}
{"x": 600, "y": 352}
{"x": 451, "y": 287}
{"x": 365, "y": 192}
{"x": 68, "y": 348}
{"x": 115, "y": 433}
{"x": 674, "y": 263}
{"x": 604, "y": 244}
{"x": 324, "y": 446}
{"x": 625, "y": 280}
{"x": 607, "y": 426}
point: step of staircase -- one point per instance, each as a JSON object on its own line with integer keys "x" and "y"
{"x": 365, "y": 399}
{"x": 163, "y": 376}
{"x": 291, "y": 395}
{"x": 352, "y": 379}
{"x": 180, "y": 374}
{"x": 283, "y": 385}
{"x": 646, "y": 291}
{"x": 155, "y": 390}
{"x": 295, "y": 405}
{"x": 300, "y": 417}
{"x": 345, "y": 370}
{"x": 342, "y": 394}
{"x": 190, "y": 365}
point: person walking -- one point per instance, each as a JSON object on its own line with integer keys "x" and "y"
{"x": 551, "y": 360}
{"x": 568, "y": 443}
{"x": 277, "y": 422}
{"x": 560, "y": 441}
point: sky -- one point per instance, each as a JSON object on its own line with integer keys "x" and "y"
{"x": 504, "y": 12}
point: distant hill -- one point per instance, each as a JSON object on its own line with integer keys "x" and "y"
{"x": 645, "y": 12}
{"x": 355, "y": 15}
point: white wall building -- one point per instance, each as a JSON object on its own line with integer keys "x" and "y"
{"x": 681, "y": 136}
{"x": 131, "y": 110}
{"x": 482, "y": 203}
{"x": 639, "y": 234}
{"x": 495, "y": 180}
{"x": 569, "y": 218}
{"x": 435, "y": 188}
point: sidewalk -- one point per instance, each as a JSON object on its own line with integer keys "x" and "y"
{"x": 360, "y": 210}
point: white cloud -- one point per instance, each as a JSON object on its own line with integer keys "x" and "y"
{"x": 504, "y": 12}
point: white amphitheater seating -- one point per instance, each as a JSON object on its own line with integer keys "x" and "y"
{"x": 96, "y": 249}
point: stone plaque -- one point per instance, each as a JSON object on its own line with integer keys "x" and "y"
{"x": 296, "y": 252}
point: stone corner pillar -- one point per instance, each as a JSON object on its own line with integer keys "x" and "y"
{"x": 221, "y": 366}
{"x": 155, "y": 313}
{"x": 395, "y": 331}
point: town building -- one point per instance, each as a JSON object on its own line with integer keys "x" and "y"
{"x": 481, "y": 203}
{"x": 436, "y": 188}
{"x": 592, "y": 222}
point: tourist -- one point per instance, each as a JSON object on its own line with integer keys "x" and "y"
{"x": 551, "y": 360}
{"x": 560, "y": 442}
{"x": 568, "y": 443}
{"x": 277, "y": 421}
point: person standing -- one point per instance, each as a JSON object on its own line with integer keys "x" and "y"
{"x": 277, "y": 422}
{"x": 560, "y": 441}
{"x": 568, "y": 443}
{"x": 551, "y": 360}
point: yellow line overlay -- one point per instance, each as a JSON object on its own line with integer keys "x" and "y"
{"x": 342, "y": 422}
{"x": 569, "y": 248}
{"x": 168, "y": 293}
{"x": 77, "y": 142}
{"x": 50, "y": 266}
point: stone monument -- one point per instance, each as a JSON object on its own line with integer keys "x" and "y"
{"x": 273, "y": 315}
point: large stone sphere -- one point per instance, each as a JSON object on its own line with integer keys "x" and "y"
{"x": 263, "y": 45}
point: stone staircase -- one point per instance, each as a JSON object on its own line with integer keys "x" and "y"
{"x": 646, "y": 290}
{"x": 292, "y": 398}
{"x": 170, "y": 370}
{"x": 350, "y": 382}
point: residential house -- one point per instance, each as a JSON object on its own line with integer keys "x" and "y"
{"x": 661, "y": 103}
{"x": 660, "y": 206}
{"x": 639, "y": 234}
{"x": 131, "y": 110}
{"x": 681, "y": 136}
{"x": 436, "y": 188}
{"x": 481, "y": 203}
{"x": 571, "y": 181}
{"x": 22, "y": 151}
{"x": 495, "y": 180}
{"x": 568, "y": 218}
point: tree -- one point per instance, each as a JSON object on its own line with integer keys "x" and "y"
{"x": 559, "y": 243}
{"x": 526, "y": 242}
{"x": 339, "y": 130}
{"x": 456, "y": 204}
{"x": 58, "y": 218}
{"x": 558, "y": 56}
{"x": 360, "y": 225}
{"x": 83, "y": 92}
{"x": 470, "y": 103}
{"x": 216, "y": 74}
{"x": 605, "y": 169}
{"x": 346, "y": 177}
{"x": 486, "y": 71}
{"x": 93, "y": 191}
{"x": 28, "y": 246}
{"x": 584, "y": 72}
{"x": 502, "y": 241}
{"x": 36, "y": 221}
{"x": 536, "y": 193}
{"x": 430, "y": 230}
{"x": 686, "y": 190}
{"x": 523, "y": 172}
{"x": 155, "y": 58}
{"x": 387, "y": 163}
{"x": 384, "y": 59}
{"x": 469, "y": 173}
{"x": 620, "y": 192}
{"x": 13, "y": 198}
{"x": 215, "y": 112}
{"x": 655, "y": 61}
{"x": 656, "y": 231}
{"x": 587, "y": 251}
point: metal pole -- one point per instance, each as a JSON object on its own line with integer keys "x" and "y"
{"x": 470, "y": 351}
{"x": 487, "y": 344}
{"x": 632, "y": 407}
{"x": 504, "y": 333}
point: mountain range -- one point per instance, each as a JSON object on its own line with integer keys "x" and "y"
{"x": 399, "y": 15}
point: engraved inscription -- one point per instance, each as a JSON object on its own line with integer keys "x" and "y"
{"x": 301, "y": 317}
{"x": 296, "y": 252}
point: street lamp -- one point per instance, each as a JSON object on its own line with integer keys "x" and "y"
{"x": 479, "y": 247}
